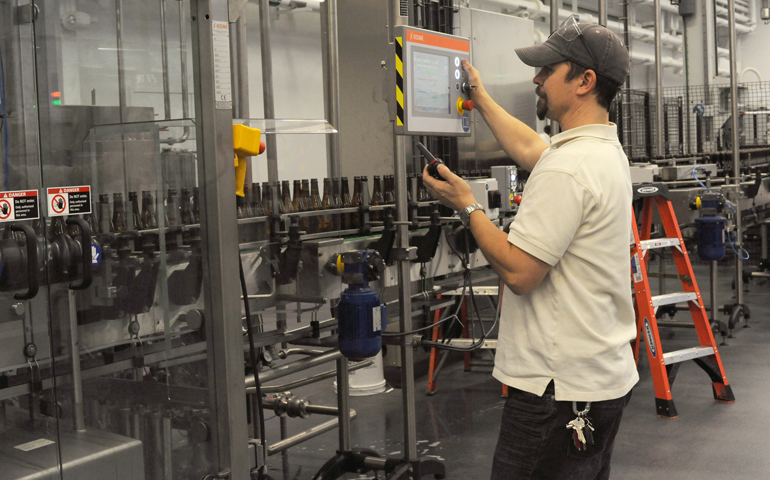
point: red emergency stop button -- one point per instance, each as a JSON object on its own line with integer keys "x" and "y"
{"x": 463, "y": 105}
{"x": 517, "y": 199}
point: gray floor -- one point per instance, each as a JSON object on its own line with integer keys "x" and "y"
{"x": 459, "y": 424}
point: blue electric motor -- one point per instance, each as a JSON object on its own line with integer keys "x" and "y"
{"x": 711, "y": 228}
{"x": 361, "y": 316}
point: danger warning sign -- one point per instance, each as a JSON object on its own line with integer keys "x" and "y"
{"x": 69, "y": 201}
{"x": 19, "y": 205}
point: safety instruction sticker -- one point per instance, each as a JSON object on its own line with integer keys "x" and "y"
{"x": 223, "y": 89}
{"x": 19, "y": 205}
{"x": 636, "y": 269}
{"x": 69, "y": 201}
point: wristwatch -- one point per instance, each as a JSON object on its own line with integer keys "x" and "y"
{"x": 465, "y": 213}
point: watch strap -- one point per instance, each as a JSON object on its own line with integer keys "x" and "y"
{"x": 465, "y": 214}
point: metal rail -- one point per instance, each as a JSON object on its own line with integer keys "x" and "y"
{"x": 306, "y": 435}
{"x": 659, "y": 81}
{"x": 736, "y": 153}
{"x": 267, "y": 86}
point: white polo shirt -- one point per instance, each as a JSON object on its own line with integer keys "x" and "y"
{"x": 574, "y": 328}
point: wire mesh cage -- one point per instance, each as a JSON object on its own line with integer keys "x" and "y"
{"x": 696, "y": 120}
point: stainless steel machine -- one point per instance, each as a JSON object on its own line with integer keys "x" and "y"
{"x": 130, "y": 346}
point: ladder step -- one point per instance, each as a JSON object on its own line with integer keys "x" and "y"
{"x": 672, "y": 298}
{"x": 687, "y": 354}
{"x": 659, "y": 243}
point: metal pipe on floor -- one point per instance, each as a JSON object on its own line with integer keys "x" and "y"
{"x": 293, "y": 367}
{"x": 736, "y": 154}
{"x": 306, "y": 435}
{"x": 659, "y": 80}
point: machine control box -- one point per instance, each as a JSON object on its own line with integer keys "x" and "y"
{"x": 486, "y": 193}
{"x": 508, "y": 183}
{"x": 431, "y": 83}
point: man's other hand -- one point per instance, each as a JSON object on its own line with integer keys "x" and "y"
{"x": 474, "y": 78}
{"x": 455, "y": 192}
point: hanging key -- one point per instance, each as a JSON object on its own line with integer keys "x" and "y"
{"x": 578, "y": 425}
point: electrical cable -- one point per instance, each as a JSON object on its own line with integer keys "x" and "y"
{"x": 4, "y": 124}
{"x": 467, "y": 274}
{"x": 729, "y": 236}
{"x": 440, "y": 322}
{"x": 256, "y": 406}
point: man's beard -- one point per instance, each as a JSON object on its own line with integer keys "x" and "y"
{"x": 542, "y": 107}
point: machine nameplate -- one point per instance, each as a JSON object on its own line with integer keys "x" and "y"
{"x": 223, "y": 89}
{"x": 19, "y": 205}
{"x": 69, "y": 201}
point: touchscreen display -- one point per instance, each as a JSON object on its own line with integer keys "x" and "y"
{"x": 431, "y": 83}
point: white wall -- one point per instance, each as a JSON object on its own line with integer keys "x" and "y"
{"x": 297, "y": 90}
{"x": 753, "y": 50}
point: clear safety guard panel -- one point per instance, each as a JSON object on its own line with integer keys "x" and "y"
{"x": 118, "y": 385}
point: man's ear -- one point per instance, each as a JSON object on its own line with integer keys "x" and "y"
{"x": 587, "y": 82}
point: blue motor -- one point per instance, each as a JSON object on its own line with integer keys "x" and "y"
{"x": 711, "y": 227}
{"x": 361, "y": 316}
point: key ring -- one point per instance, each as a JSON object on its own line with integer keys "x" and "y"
{"x": 584, "y": 412}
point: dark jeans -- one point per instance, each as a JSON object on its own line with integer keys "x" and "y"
{"x": 535, "y": 443}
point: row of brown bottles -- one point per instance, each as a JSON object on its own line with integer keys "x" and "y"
{"x": 304, "y": 196}
{"x": 180, "y": 210}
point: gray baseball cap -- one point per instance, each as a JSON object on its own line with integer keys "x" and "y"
{"x": 589, "y": 45}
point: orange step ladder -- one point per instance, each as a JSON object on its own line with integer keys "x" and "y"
{"x": 664, "y": 366}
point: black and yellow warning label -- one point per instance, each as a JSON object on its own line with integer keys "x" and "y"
{"x": 399, "y": 81}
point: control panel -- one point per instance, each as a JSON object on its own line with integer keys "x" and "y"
{"x": 508, "y": 183}
{"x": 431, "y": 84}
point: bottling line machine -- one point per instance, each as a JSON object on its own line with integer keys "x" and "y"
{"x": 129, "y": 346}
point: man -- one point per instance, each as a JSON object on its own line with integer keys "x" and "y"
{"x": 567, "y": 316}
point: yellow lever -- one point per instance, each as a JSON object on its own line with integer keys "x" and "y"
{"x": 246, "y": 143}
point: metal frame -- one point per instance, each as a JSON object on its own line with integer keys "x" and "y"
{"x": 219, "y": 235}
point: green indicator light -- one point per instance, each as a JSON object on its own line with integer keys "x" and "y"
{"x": 56, "y": 102}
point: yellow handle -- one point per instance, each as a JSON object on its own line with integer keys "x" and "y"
{"x": 240, "y": 175}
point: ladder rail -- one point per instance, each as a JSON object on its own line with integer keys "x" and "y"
{"x": 684, "y": 269}
{"x": 706, "y": 354}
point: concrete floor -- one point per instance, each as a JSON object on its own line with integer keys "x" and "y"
{"x": 459, "y": 425}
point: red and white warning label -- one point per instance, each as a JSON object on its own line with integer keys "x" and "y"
{"x": 69, "y": 201}
{"x": 19, "y": 205}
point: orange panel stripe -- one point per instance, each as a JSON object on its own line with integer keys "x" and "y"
{"x": 438, "y": 41}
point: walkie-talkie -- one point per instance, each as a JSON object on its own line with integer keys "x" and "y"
{"x": 433, "y": 162}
